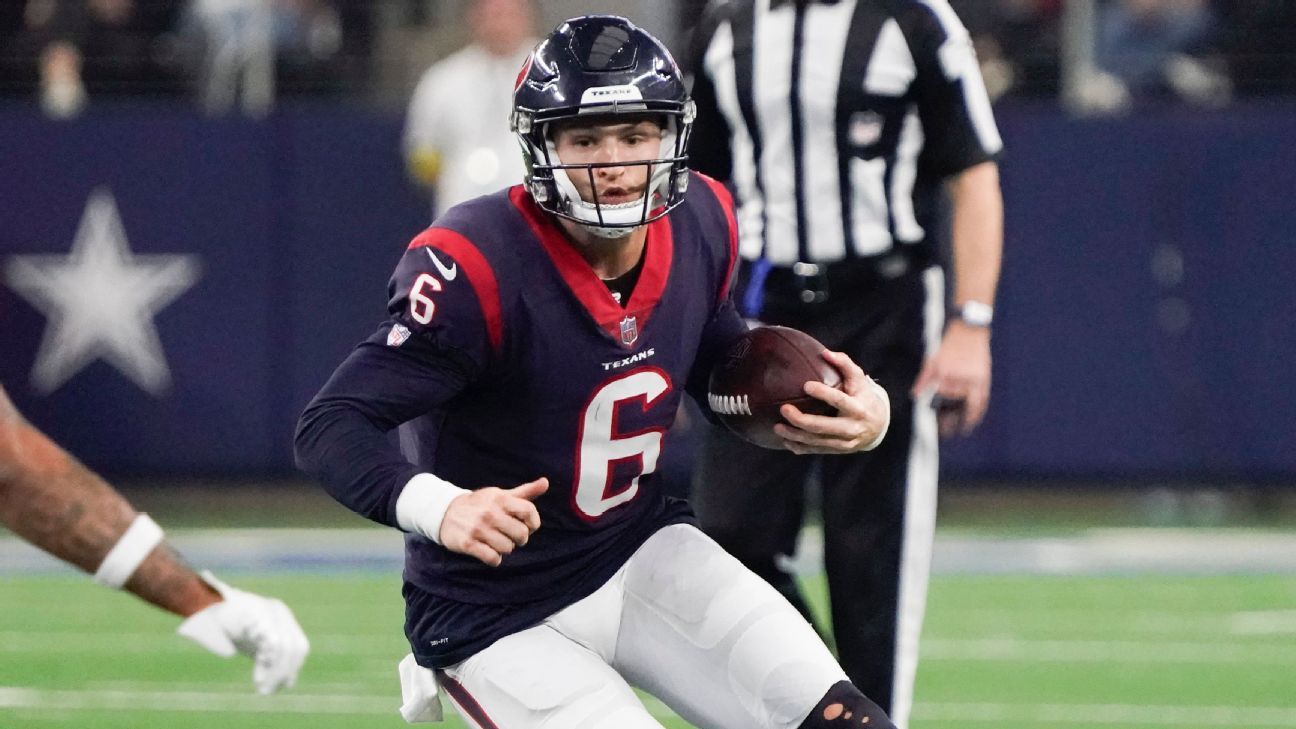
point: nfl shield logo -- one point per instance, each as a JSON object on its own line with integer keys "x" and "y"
{"x": 865, "y": 128}
{"x": 397, "y": 336}
{"x": 629, "y": 330}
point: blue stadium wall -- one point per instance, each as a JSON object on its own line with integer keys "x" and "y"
{"x": 1145, "y": 325}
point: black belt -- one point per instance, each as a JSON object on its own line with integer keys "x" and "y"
{"x": 813, "y": 283}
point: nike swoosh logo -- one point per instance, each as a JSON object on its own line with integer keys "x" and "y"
{"x": 447, "y": 273}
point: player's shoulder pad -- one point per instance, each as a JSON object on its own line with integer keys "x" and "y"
{"x": 445, "y": 284}
{"x": 711, "y": 201}
{"x": 714, "y": 204}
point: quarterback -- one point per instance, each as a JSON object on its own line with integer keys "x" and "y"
{"x": 537, "y": 344}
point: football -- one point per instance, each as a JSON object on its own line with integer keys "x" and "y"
{"x": 766, "y": 368}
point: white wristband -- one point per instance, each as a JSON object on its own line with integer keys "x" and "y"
{"x": 422, "y": 505}
{"x": 126, "y": 555}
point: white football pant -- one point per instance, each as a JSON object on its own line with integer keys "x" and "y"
{"x": 682, "y": 620}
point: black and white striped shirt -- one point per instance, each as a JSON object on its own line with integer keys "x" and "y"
{"x": 836, "y": 121}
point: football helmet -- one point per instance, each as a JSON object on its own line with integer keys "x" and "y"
{"x": 601, "y": 66}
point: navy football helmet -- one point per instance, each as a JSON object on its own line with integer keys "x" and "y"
{"x": 600, "y": 66}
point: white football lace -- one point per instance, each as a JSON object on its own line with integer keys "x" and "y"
{"x": 729, "y": 404}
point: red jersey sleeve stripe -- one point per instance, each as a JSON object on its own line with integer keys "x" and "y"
{"x": 726, "y": 204}
{"x": 479, "y": 272}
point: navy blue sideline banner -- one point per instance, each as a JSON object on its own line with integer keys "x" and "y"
{"x": 1144, "y": 328}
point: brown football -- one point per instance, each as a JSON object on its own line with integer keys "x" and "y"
{"x": 766, "y": 368}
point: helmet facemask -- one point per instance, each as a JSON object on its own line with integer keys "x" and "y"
{"x": 551, "y": 187}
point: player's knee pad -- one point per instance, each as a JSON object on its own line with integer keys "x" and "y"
{"x": 844, "y": 707}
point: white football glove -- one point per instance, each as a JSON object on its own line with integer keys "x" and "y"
{"x": 261, "y": 628}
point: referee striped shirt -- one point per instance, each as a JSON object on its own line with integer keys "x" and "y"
{"x": 836, "y": 121}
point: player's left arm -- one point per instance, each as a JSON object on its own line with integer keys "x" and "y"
{"x": 724, "y": 329}
{"x": 962, "y": 145}
{"x": 50, "y": 499}
{"x": 443, "y": 332}
{"x": 726, "y": 325}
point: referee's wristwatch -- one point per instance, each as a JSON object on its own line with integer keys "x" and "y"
{"x": 975, "y": 314}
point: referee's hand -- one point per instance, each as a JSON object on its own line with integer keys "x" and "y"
{"x": 957, "y": 377}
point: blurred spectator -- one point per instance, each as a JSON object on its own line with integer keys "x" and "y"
{"x": 1016, "y": 43}
{"x": 457, "y": 138}
{"x": 1260, "y": 44}
{"x": 1156, "y": 49}
{"x": 84, "y": 48}
{"x": 249, "y": 48}
{"x": 11, "y": 21}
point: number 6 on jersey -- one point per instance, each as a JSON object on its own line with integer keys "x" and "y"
{"x": 602, "y": 447}
{"x": 421, "y": 305}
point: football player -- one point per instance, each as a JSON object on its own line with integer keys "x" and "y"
{"x": 57, "y": 504}
{"x": 538, "y": 343}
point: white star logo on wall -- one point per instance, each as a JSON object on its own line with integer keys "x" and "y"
{"x": 100, "y": 300}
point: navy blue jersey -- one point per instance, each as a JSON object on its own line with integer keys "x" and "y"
{"x": 505, "y": 358}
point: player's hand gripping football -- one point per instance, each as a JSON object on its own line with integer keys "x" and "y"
{"x": 491, "y": 522}
{"x": 863, "y": 414}
{"x": 261, "y": 628}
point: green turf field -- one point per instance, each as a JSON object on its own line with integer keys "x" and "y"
{"x": 1018, "y": 652}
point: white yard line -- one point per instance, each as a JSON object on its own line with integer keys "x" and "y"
{"x": 934, "y": 648}
{"x": 1098, "y": 551}
{"x": 1115, "y": 714}
{"x": 1263, "y": 622}
{"x": 57, "y": 641}
{"x": 16, "y": 697}
{"x": 1093, "y": 651}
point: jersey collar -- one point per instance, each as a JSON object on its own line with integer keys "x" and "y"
{"x": 586, "y": 286}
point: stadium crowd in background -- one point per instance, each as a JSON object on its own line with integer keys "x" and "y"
{"x": 1017, "y": 42}
{"x": 1197, "y": 51}
{"x": 222, "y": 52}
{"x": 1202, "y": 51}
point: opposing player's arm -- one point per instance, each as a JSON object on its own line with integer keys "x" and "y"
{"x": 48, "y": 498}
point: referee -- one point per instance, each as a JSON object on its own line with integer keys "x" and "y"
{"x": 844, "y": 126}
